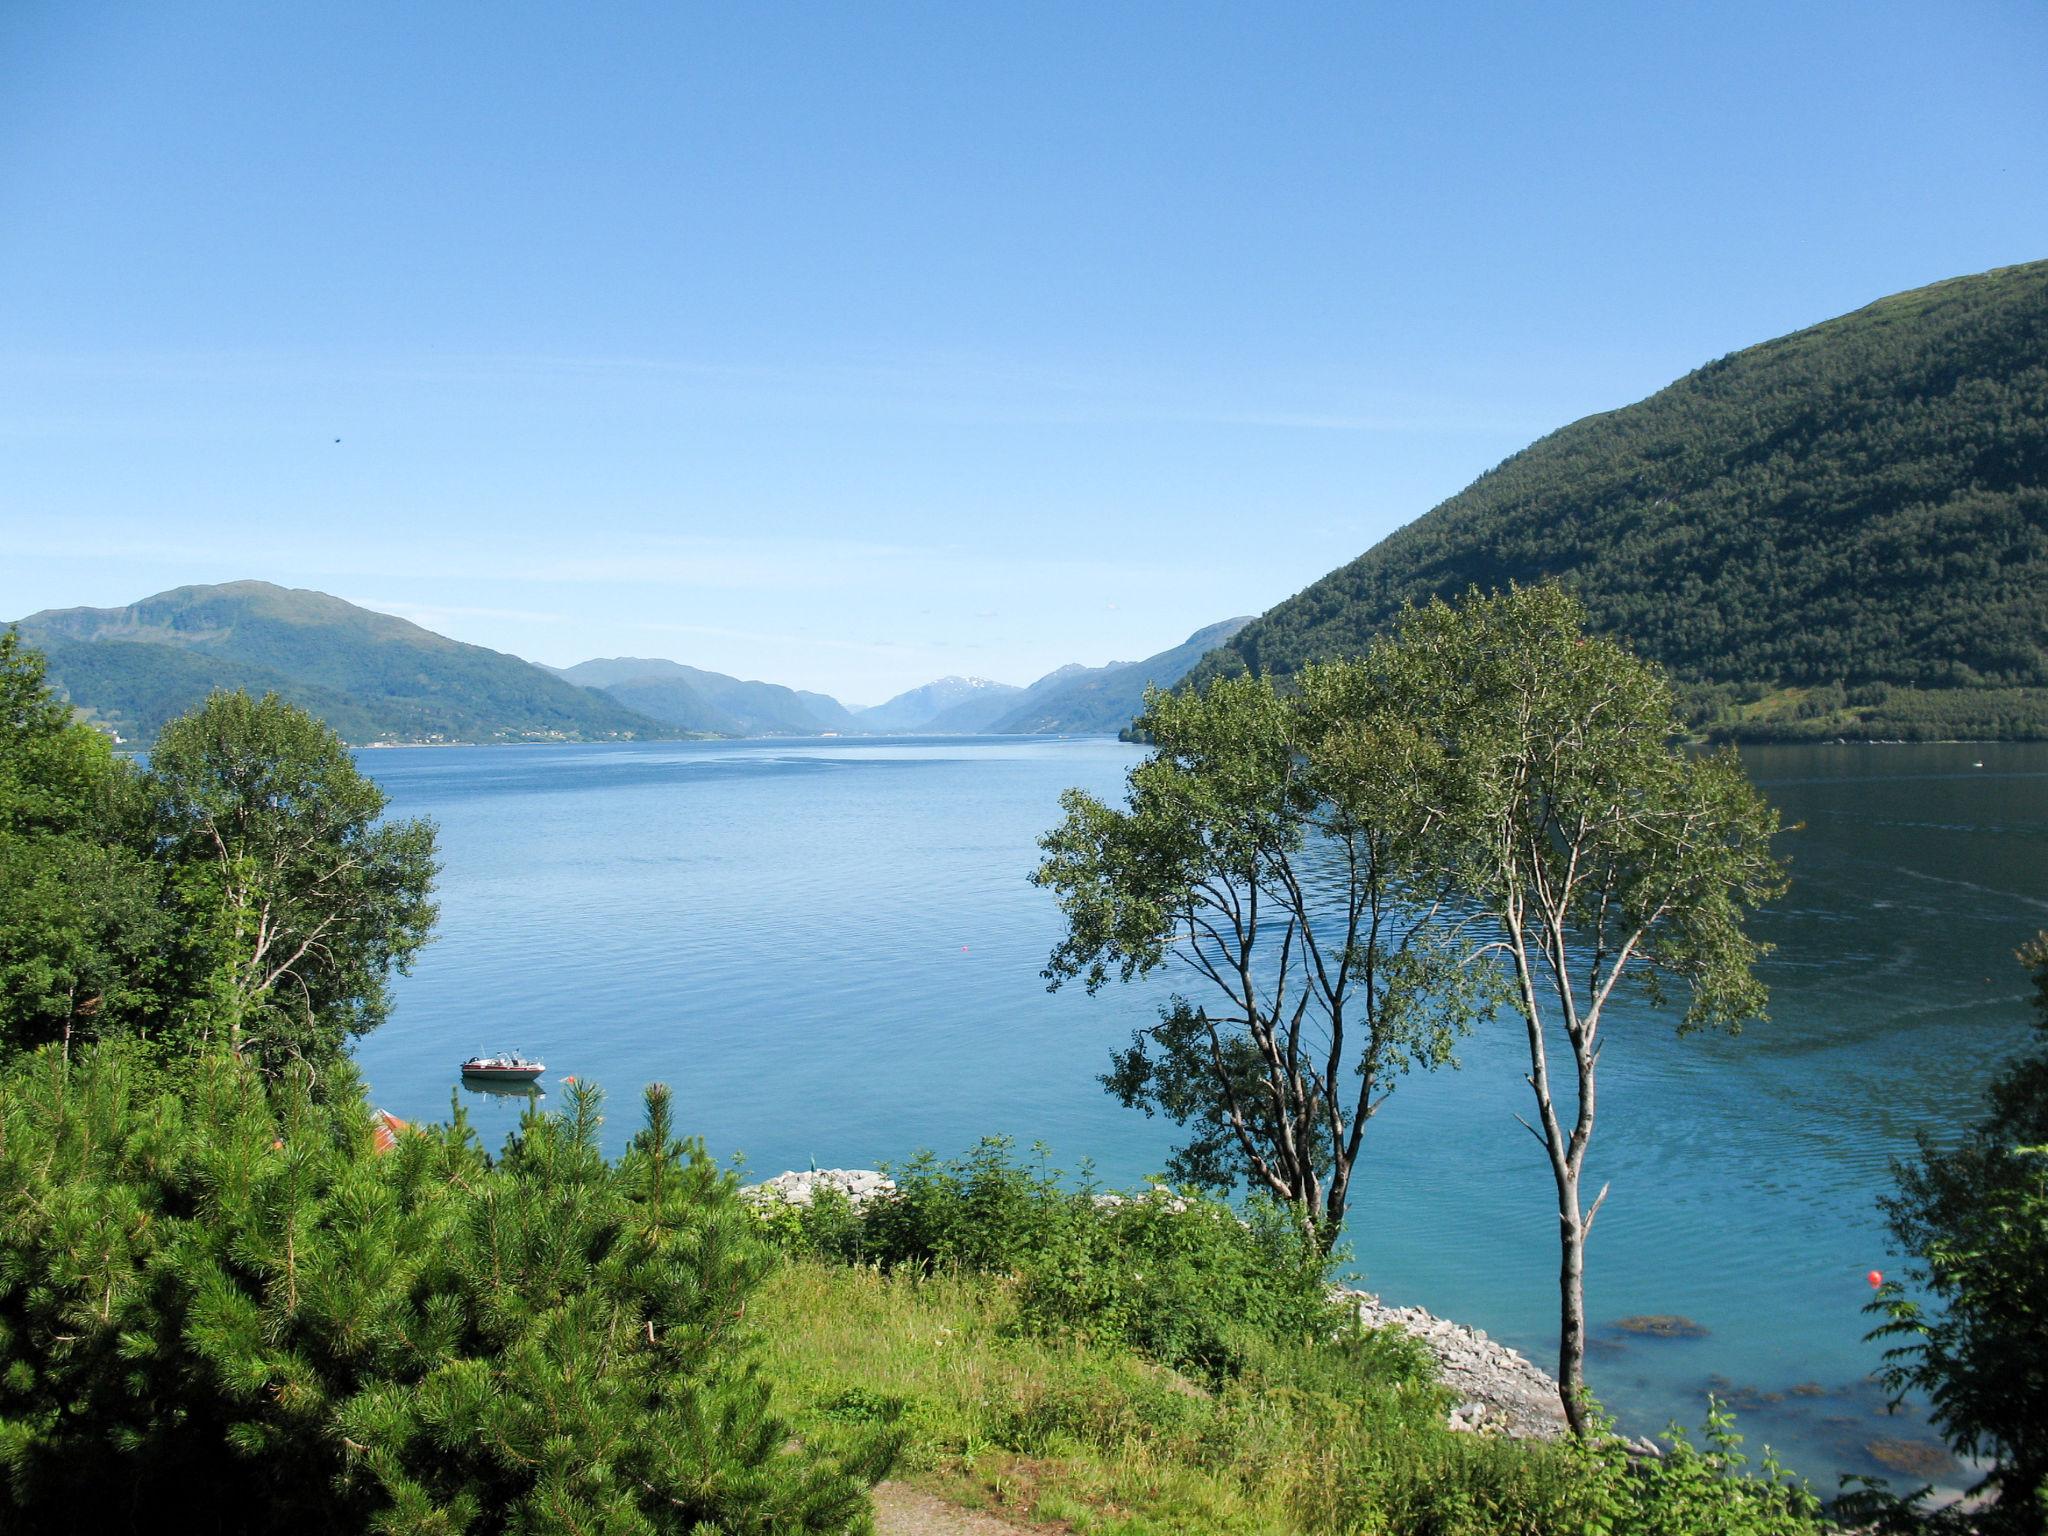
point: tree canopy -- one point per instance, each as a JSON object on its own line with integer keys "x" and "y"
{"x": 1269, "y": 850}
{"x": 298, "y": 898}
{"x": 245, "y": 887}
{"x": 1489, "y": 807}
{"x": 84, "y": 937}
{"x": 1601, "y": 863}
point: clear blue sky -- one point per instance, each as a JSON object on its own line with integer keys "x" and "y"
{"x": 851, "y": 344}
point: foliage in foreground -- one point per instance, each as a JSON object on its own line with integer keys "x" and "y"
{"x": 1974, "y": 1218}
{"x": 243, "y": 889}
{"x": 1182, "y": 1280}
{"x": 222, "y": 1309}
{"x": 1154, "y": 1363}
{"x": 1343, "y": 1434}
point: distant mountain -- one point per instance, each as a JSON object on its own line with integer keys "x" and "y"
{"x": 678, "y": 702}
{"x": 371, "y": 676}
{"x": 696, "y": 700}
{"x": 967, "y": 704}
{"x": 975, "y": 713}
{"x": 1840, "y": 532}
{"x": 1082, "y": 701}
{"x": 828, "y": 711}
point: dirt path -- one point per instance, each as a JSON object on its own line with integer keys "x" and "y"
{"x": 901, "y": 1510}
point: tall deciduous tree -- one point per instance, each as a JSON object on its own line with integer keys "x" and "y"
{"x": 300, "y": 901}
{"x": 1974, "y": 1217}
{"x": 1270, "y": 848}
{"x": 1609, "y": 862}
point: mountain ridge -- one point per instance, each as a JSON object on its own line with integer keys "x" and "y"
{"x": 1103, "y": 700}
{"x": 372, "y": 676}
{"x": 693, "y": 698}
{"x": 1841, "y": 530}
{"x": 377, "y": 678}
{"x": 965, "y": 703}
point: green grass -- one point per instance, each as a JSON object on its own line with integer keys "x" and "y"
{"x": 1877, "y": 713}
{"x": 1346, "y": 1436}
{"x": 1167, "y": 1364}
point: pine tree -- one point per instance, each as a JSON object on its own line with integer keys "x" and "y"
{"x": 222, "y": 1309}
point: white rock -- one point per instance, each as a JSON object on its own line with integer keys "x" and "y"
{"x": 800, "y": 1187}
{"x": 1497, "y": 1389}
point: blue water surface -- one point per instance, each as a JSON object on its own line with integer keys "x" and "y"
{"x": 829, "y": 949}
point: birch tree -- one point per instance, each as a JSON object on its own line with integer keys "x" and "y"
{"x": 1270, "y": 852}
{"x": 298, "y": 900}
{"x": 1610, "y": 864}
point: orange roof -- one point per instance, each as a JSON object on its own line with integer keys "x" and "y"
{"x": 384, "y": 1129}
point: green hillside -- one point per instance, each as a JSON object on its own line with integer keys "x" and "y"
{"x": 1844, "y": 531}
{"x": 370, "y": 676}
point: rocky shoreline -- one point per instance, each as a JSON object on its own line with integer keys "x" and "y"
{"x": 1498, "y": 1390}
{"x": 800, "y": 1186}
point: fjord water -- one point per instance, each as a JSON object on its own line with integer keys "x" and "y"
{"x": 830, "y": 951}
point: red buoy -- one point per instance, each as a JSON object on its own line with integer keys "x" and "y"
{"x": 1876, "y": 1279}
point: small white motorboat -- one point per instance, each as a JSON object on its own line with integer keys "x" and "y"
{"x": 508, "y": 1068}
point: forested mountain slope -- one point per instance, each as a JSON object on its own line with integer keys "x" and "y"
{"x": 1841, "y": 531}
{"x": 370, "y": 676}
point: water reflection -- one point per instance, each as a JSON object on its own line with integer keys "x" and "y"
{"x": 490, "y": 1090}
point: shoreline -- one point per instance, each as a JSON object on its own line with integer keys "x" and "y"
{"x": 1499, "y": 1390}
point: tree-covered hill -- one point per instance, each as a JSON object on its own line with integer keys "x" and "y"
{"x": 1841, "y": 531}
{"x": 370, "y": 676}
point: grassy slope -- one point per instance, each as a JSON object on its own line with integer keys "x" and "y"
{"x": 1100, "y": 1439}
{"x": 370, "y": 675}
{"x": 1863, "y": 502}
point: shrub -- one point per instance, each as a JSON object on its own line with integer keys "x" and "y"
{"x": 1689, "y": 1490}
{"x": 985, "y": 1212}
{"x": 220, "y": 1308}
{"x": 1183, "y": 1280}
{"x": 1973, "y": 1217}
